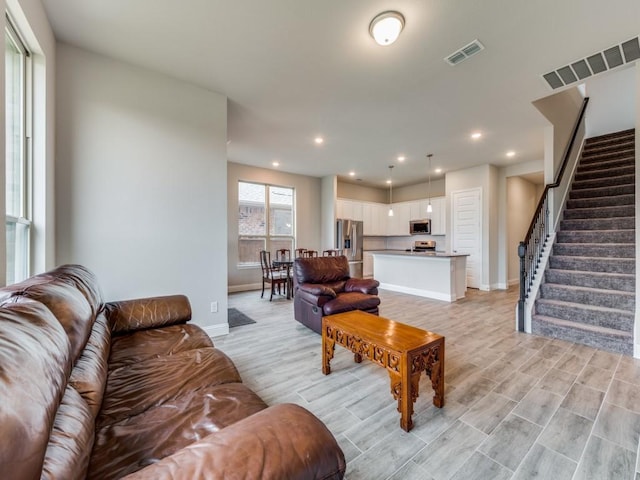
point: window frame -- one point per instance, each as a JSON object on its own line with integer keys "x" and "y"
{"x": 268, "y": 238}
{"x": 22, "y": 218}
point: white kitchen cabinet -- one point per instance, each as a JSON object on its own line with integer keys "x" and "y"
{"x": 349, "y": 209}
{"x": 367, "y": 265}
{"x": 418, "y": 211}
{"x": 398, "y": 225}
{"x": 374, "y": 219}
{"x": 439, "y": 216}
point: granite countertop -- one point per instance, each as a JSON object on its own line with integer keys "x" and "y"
{"x": 403, "y": 253}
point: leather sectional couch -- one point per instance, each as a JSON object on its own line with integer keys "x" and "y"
{"x": 129, "y": 389}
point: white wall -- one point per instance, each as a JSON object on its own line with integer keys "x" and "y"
{"x": 328, "y": 194}
{"x": 611, "y": 102}
{"x": 308, "y": 201}
{"x": 141, "y": 182}
{"x": 521, "y": 205}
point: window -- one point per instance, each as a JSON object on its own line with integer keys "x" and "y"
{"x": 265, "y": 221}
{"x": 17, "y": 104}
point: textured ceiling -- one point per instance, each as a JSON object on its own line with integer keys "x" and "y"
{"x": 295, "y": 69}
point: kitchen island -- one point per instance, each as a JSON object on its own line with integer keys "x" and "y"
{"x": 438, "y": 275}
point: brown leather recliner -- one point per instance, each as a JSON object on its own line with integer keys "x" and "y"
{"x": 322, "y": 286}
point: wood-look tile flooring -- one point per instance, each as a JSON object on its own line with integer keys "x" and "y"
{"x": 517, "y": 406}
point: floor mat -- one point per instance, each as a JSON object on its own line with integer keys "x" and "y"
{"x": 237, "y": 318}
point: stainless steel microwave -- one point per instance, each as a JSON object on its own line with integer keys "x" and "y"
{"x": 420, "y": 227}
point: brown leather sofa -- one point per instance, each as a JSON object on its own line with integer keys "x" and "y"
{"x": 322, "y": 286}
{"x": 129, "y": 389}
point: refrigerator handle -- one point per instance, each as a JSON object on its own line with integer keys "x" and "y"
{"x": 338, "y": 234}
{"x": 354, "y": 249}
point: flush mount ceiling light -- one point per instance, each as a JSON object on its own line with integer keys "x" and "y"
{"x": 386, "y": 27}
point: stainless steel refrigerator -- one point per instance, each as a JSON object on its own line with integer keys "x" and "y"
{"x": 349, "y": 240}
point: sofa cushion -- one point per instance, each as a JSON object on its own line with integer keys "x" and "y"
{"x": 35, "y": 363}
{"x": 322, "y": 270}
{"x": 351, "y": 301}
{"x": 142, "y": 313}
{"x": 71, "y": 440}
{"x": 155, "y": 342}
{"x": 140, "y": 440}
{"x": 71, "y": 309}
{"x": 89, "y": 374}
{"x": 133, "y": 388}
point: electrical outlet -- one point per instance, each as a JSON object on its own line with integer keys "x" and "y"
{"x": 214, "y": 307}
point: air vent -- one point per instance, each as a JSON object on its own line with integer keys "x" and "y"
{"x": 599, "y": 62}
{"x": 464, "y": 53}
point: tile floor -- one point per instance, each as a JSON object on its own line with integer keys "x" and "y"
{"x": 517, "y": 406}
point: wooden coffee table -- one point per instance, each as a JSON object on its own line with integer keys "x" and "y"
{"x": 405, "y": 352}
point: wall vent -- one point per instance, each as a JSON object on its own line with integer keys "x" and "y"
{"x": 464, "y": 53}
{"x": 608, "y": 59}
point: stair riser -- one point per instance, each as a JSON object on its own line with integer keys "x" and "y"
{"x": 606, "y": 165}
{"x": 603, "y": 192}
{"x": 591, "y": 280}
{"x": 617, "y": 344}
{"x": 595, "y": 174}
{"x": 604, "y": 182}
{"x": 598, "y": 202}
{"x": 596, "y": 236}
{"x": 623, "y": 322}
{"x": 619, "y": 223}
{"x": 619, "y": 300}
{"x": 594, "y": 250}
{"x": 586, "y": 265}
{"x": 600, "y": 212}
{"x": 611, "y": 137}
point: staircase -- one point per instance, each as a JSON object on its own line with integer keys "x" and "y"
{"x": 588, "y": 292}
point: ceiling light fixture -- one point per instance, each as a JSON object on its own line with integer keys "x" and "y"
{"x": 390, "y": 182}
{"x": 429, "y": 207}
{"x": 386, "y": 27}
{"x": 352, "y": 174}
{"x": 275, "y": 163}
{"x": 401, "y": 158}
{"x": 511, "y": 153}
{"x": 319, "y": 140}
{"x": 476, "y": 135}
{"x": 438, "y": 170}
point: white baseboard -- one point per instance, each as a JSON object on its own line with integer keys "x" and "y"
{"x": 244, "y": 288}
{"x": 418, "y": 292}
{"x": 217, "y": 330}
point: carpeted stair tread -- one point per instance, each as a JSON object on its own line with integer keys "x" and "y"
{"x": 604, "y": 280}
{"x": 608, "y": 211}
{"x": 603, "y": 155}
{"x": 611, "y": 181}
{"x": 582, "y": 306}
{"x": 612, "y": 223}
{"x": 608, "y": 250}
{"x": 595, "y": 336}
{"x": 588, "y": 314}
{"x": 621, "y": 236}
{"x": 603, "y": 191}
{"x": 595, "y": 174}
{"x": 598, "y": 265}
{"x": 598, "y": 297}
{"x": 604, "y": 201}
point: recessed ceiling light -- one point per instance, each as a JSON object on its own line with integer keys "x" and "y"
{"x": 438, "y": 170}
{"x": 476, "y": 135}
{"x": 319, "y": 140}
{"x": 511, "y": 153}
{"x": 352, "y": 174}
{"x": 401, "y": 158}
{"x": 275, "y": 163}
{"x": 388, "y": 182}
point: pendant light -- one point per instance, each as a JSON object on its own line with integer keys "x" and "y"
{"x": 390, "y": 191}
{"x": 429, "y": 207}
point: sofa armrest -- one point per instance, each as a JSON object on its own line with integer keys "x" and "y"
{"x": 152, "y": 312}
{"x": 317, "y": 289}
{"x": 283, "y": 441}
{"x": 362, "y": 285}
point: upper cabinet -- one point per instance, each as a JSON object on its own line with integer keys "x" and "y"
{"x": 377, "y": 222}
{"x": 350, "y": 209}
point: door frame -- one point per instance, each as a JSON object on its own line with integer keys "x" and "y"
{"x": 481, "y": 262}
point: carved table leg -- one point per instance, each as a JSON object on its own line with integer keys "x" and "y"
{"x": 357, "y": 358}
{"x": 435, "y": 370}
{"x": 328, "y": 348}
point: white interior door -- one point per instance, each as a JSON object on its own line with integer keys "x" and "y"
{"x": 467, "y": 231}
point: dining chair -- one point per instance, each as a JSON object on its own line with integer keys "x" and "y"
{"x": 276, "y": 277}
{"x": 311, "y": 253}
{"x": 283, "y": 254}
{"x": 331, "y": 253}
{"x": 301, "y": 252}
